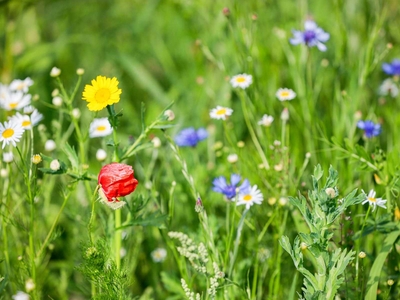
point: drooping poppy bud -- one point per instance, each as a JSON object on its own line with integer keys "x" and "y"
{"x": 116, "y": 180}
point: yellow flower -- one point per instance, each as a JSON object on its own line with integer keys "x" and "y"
{"x": 103, "y": 91}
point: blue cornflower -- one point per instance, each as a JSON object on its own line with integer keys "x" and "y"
{"x": 189, "y": 137}
{"x": 311, "y": 36}
{"x": 392, "y": 68}
{"x": 370, "y": 128}
{"x": 229, "y": 190}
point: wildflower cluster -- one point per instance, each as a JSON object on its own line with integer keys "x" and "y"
{"x": 16, "y": 99}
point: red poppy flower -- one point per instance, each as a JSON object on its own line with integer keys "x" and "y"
{"x": 116, "y": 180}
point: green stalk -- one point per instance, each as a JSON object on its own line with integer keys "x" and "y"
{"x": 252, "y": 133}
{"x": 236, "y": 247}
{"x": 117, "y": 239}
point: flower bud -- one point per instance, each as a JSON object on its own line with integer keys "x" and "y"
{"x": 29, "y": 285}
{"x": 116, "y": 180}
{"x": 232, "y": 158}
{"x": 3, "y": 173}
{"x": 55, "y": 72}
{"x": 101, "y": 154}
{"x": 169, "y": 114}
{"x": 330, "y": 192}
{"x": 50, "y": 145}
{"x": 76, "y": 113}
{"x": 55, "y": 165}
{"x": 36, "y": 159}
{"x": 8, "y": 157}
{"x": 55, "y": 93}
{"x": 362, "y": 255}
{"x": 285, "y": 114}
{"x": 57, "y": 101}
{"x": 80, "y": 71}
{"x": 390, "y": 282}
{"x": 156, "y": 142}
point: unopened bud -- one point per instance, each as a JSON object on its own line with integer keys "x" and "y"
{"x": 55, "y": 165}
{"x": 55, "y": 72}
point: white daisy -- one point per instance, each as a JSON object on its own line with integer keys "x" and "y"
{"x": 159, "y": 255}
{"x": 10, "y": 133}
{"x": 20, "y": 296}
{"x": 250, "y": 196}
{"x": 370, "y": 198}
{"x": 8, "y": 157}
{"x": 242, "y": 80}
{"x": 389, "y": 87}
{"x": 27, "y": 122}
{"x": 266, "y": 120}
{"x": 285, "y": 94}
{"x": 15, "y": 100}
{"x": 21, "y": 85}
{"x": 220, "y": 113}
{"x": 100, "y": 127}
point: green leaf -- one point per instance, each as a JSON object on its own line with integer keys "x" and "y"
{"x": 72, "y": 156}
{"x": 172, "y": 284}
{"x": 373, "y": 279}
{"x": 154, "y": 219}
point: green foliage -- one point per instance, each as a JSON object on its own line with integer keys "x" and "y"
{"x": 320, "y": 212}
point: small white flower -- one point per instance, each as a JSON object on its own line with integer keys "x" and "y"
{"x": 156, "y": 142}
{"x": 50, "y": 145}
{"x": 220, "y": 113}
{"x": 159, "y": 255}
{"x": 55, "y": 165}
{"x": 10, "y": 133}
{"x": 266, "y": 120}
{"x": 232, "y": 158}
{"x": 100, "y": 127}
{"x": 55, "y": 72}
{"x": 76, "y": 113}
{"x": 20, "y": 296}
{"x": 169, "y": 114}
{"x": 285, "y": 94}
{"x": 28, "y": 109}
{"x": 370, "y": 198}
{"x": 57, "y": 101}
{"x": 27, "y": 122}
{"x": 389, "y": 87}
{"x": 252, "y": 195}
{"x": 15, "y": 100}
{"x": 8, "y": 157}
{"x": 242, "y": 80}
{"x": 101, "y": 154}
{"x": 21, "y": 85}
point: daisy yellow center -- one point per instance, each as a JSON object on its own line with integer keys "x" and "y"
{"x": 26, "y": 123}
{"x": 221, "y": 111}
{"x": 13, "y": 105}
{"x": 247, "y": 198}
{"x": 284, "y": 94}
{"x": 370, "y": 199}
{"x": 240, "y": 79}
{"x": 102, "y": 95}
{"x": 101, "y": 128}
{"x": 8, "y": 133}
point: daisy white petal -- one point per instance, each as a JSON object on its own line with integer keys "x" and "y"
{"x": 220, "y": 113}
{"x": 242, "y": 80}
{"x": 100, "y": 127}
{"x": 284, "y": 94}
{"x": 10, "y": 133}
{"x": 21, "y": 85}
{"x": 266, "y": 120}
{"x": 251, "y": 195}
{"x": 373, "y": 201}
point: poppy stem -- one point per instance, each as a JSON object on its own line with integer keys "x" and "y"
{"x": 117, "y": 239}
